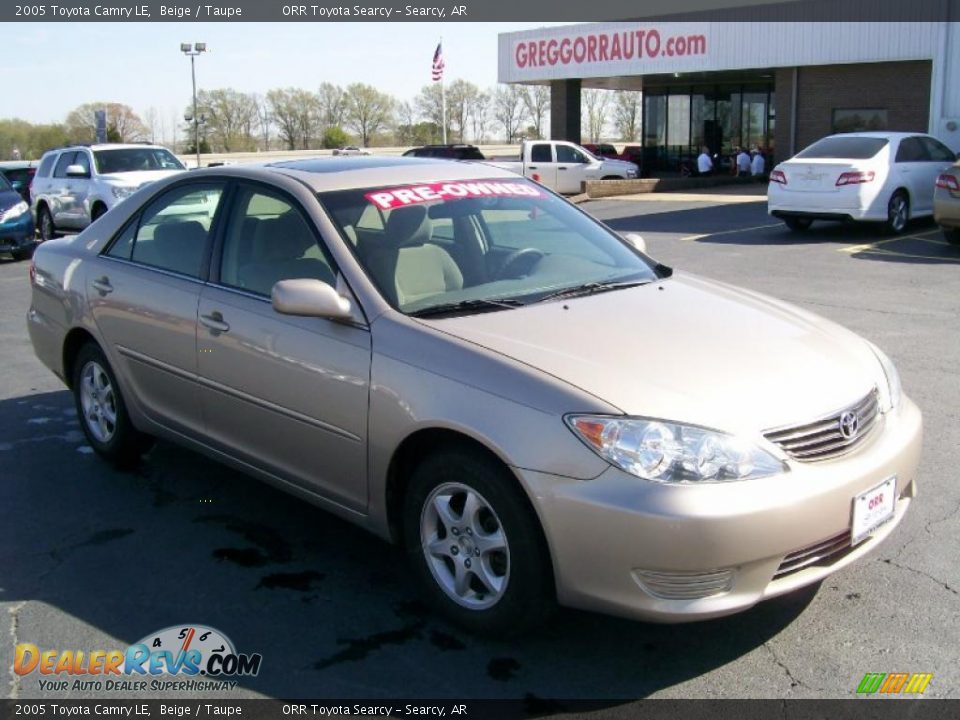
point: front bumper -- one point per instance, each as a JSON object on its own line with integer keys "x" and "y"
{"x": 620, "y": 544}
{"x": 17, "y": 234}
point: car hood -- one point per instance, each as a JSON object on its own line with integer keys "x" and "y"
{"x": 9, "y": 198}
{"x": 686, "y": 349}
{"x": 139, "y": 177}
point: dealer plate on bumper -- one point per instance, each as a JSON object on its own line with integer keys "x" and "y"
{"x": 873, "y": 508}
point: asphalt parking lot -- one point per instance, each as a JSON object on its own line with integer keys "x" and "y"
{"x": 95, "y": 558}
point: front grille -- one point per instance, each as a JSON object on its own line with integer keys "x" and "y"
{"x": 685, "y": 586}
{"x": 822, "y": 439}
{"x": 825, "y": 552}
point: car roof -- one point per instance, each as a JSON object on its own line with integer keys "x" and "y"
{"x": 346, "y": 173}
{"x": 107, "y": 146}
{"x": 886, "y": 135}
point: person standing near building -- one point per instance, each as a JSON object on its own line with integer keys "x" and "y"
{"x": 743, "y": 163}
{"x": 704, "y": 162}
{"x": 758, "y": 164}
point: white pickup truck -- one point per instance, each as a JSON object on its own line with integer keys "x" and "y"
{"x": 563, "y": 166}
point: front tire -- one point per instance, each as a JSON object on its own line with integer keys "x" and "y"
{"x": 951, "y": 235}
{"x": 102, "y": 411}
{"x": 475, "y": 545}
{"x": 45, "y": 224}
{"x": 798, "y": 224}
{"x": 98, "y": 211}
{"x": 898, "y": 213}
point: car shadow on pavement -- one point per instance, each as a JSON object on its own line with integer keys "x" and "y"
{"x": 332, "y": 609}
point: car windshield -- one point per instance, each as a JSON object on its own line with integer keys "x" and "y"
{"x": 844, "y": 148}
{"x": 479, "y": 244}
{"x": 135, "y": 159}
{"x": 4, "y": 183}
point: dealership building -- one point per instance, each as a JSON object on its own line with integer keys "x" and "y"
{"x": 757, "y": 76}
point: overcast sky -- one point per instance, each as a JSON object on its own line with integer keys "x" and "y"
{"x": 58, "y": 66}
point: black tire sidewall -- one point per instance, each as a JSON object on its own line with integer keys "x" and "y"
{"x": 127, "y": 443}
{"x": 798, "y": 224}
{"x": 530, "y": 594}
{"x": 44, "y": 214}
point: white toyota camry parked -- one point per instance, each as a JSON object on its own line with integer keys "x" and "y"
{"x": 885, "y": 177}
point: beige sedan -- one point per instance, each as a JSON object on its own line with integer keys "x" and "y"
{"x": 946, "y": 203}
{"x": 466, "y": 364}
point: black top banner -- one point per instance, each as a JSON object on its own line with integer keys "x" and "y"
{"x": 477, "y": 11}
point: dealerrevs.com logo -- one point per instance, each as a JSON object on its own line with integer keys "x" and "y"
{"x": 185, "y": 652}
{"x": 894, "y": 683}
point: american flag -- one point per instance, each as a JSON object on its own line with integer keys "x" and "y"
{"x": 438, "y": 63}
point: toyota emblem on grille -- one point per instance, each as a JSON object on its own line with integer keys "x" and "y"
{"x": 849, "y": 425}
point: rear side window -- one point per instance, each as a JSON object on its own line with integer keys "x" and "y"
{"x": 471, "y": 154}
{"x": 65, "y": 161}
{"x": 845, "y": 148}
{"x": 911, "y": 150}
{"x": 46, "y": 165}
{"x": 540, "y": 153}
{"x": 173, "y": 231}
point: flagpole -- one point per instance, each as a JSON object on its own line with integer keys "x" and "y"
{"x": 443, "y": 99}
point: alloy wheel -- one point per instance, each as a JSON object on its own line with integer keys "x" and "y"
{"x": 99, "y": 402}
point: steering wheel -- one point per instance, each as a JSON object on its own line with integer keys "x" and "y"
{"x": 519, "y": 263}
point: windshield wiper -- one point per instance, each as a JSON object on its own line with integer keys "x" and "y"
{"x": 591, "y": 288}
{"x": 467, "y": 306}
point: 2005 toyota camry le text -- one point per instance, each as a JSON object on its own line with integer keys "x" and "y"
{"x": 468, "y": 365}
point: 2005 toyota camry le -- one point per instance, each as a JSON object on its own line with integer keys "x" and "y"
{"x": 466, "y": 364}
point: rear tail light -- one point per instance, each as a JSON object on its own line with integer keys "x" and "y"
{"x": 855, "y": 178}
{"x": 778, "y": 177}
{"x": 948, "y": 182}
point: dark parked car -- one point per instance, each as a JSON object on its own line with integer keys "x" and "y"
{"x": 16, "y": 223}
{"x": 448, "y": 152}
{"x": 20, "y": 174}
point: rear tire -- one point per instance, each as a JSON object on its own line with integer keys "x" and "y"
{"x": 102, "y": 412}
{"x": 45, "y": 224}
{"x": 797, "y": 224}
{"x": 22, "y": 254}
{"x": 475, "y": 545}
{"x": 898, "y": 213}
{"x": 951, "y": 235}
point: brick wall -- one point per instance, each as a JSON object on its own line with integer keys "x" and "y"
{"x": 903, "y": 88}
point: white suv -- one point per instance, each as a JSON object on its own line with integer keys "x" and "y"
{"x": 76, "y": 185}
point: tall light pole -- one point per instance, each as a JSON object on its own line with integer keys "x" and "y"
{"x": 192, "y": 51}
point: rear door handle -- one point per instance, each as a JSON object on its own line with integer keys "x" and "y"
{"x": 103, "y": 285}
{"x": 215, "y": 322}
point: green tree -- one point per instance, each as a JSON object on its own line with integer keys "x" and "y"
{"x": 123, "y": 124}
{"x": 367, "y": 110}
{"x": 334, "y": 137}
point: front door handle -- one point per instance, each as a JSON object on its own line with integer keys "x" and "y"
{"x": 103, "y": 286}
{"x": 215, "y": 322}
{"x": 561, "y": 168}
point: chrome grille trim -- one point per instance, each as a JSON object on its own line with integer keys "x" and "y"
{"x": 821, "y": 439}
{"x": 824, "y": 552}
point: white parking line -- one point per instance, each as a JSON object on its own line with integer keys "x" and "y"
{"x": 730, "y": 232}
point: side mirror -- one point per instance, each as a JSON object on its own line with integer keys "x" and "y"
{"x": 77, "y": 171}
{"x": 310, "y": 298}
{"x": 636, "y": 241}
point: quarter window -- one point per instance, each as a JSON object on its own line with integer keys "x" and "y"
{"x": 937, "y": 151}
{"x": 175, "y": 228}
{"x": 269, "y": 239}
{"x": 540, "y": 153}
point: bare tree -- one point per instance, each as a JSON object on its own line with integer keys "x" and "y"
{"x": 626, "y": 114}
{"x": 230, "y": 119}
{"x": 151, "y": 120}
{"x": 536, "y": 99}
{"x": 460, "y": 98}
{"x": 406, "y": 117}
{"x": 480, "y": 115}
{"x": 429, "y": 104}
{"x": 264, "y": 119}
{"x": 123, "y": 124}
{"x": 595, "y": 104}
{"x": 508, "y": 109}
{"x": 296, "y": 114}
{"x": 368, "y": 110}
{"x": 333, "y": 105}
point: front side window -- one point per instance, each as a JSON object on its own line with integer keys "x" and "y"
{"x": 65, "y": 161}
{"x": 482, "y": 241}
{"x": 567, "y": 154}
{"x": 121, "y": 160}
{"x": 174, "y": 229}
{"x": 540, "y": 153}
{"x": 268, "y": 239}
{"x": 83, "y": 161}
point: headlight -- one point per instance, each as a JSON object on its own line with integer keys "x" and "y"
{"x": 673, "y": 453}
{"x": 891, "y": 391}
{"x": 123, "y": 191}
{"x": 14, "y": 212}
